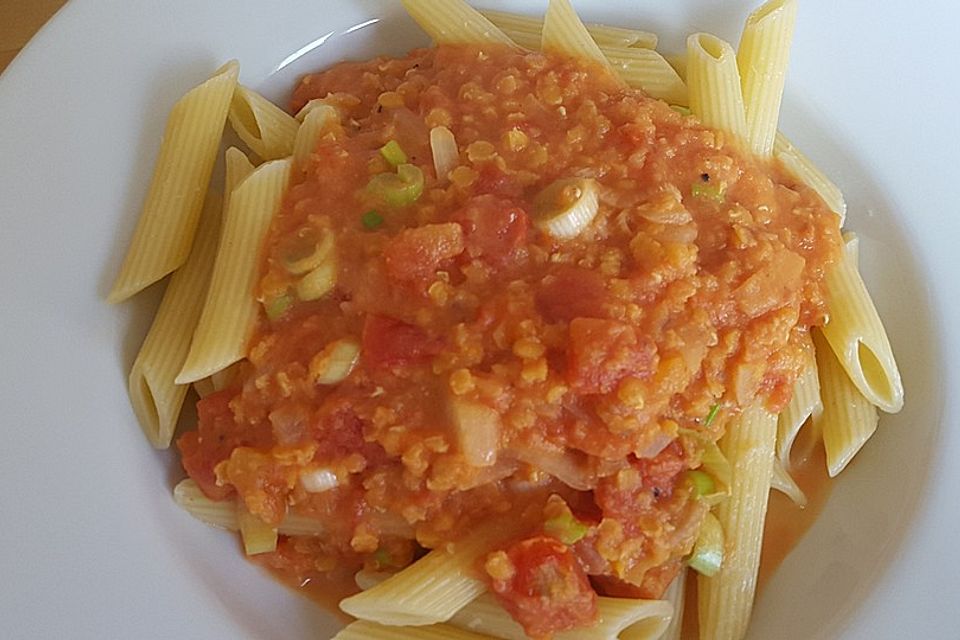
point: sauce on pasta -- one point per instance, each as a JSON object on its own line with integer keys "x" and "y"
{"x": 462, "y": 361}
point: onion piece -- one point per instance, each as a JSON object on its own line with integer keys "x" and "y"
{"x": 335, "y": 362}
{"x": 478, "y": 431}
{"x": 318, "y": 282}
{"x": 318, "y": 480}
{"x": 566, "y": 207}
{"x": 446, "y": 155}
{"x": 707, "y": 557}
{"x": 564, "y": 466}
{"x": 306, "y": 250}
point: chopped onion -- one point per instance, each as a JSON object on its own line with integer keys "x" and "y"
{"x": 318, "y": 282}
{"x": 335, "y": 362}
{"x": 258, "y": 536}
{"x": 564, "y": 466}
{"x": 478, "y": 431}
{"x": 306, "y": 250}
{"x": 446, "y": 156}
{"x": 318, "y": 480}
{"x": 707, "y": 556}
{"x": 566, "y": 207}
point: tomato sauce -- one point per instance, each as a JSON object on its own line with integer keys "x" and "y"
{"x": 495, "y": 362}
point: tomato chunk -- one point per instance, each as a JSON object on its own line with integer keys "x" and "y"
{"x": 571, "y": 292}
{"x": 541, "y": 584}
{"x": 602, "y": 352}
{"x": 390, "y": 343}
{"x": 414, "y": 255}
{"x": 216, "y": 436}
{"x": 494, "y": 229}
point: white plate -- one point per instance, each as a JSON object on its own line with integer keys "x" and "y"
{"x": 92, "y": 546}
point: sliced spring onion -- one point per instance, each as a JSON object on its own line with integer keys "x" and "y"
{"x": 684, "y": 111}
{"x": 335, "y": 362}
{"x": 446, "y": 156}
{"x": 258, "y": 536}
{"x": 708, "y": 191}
{"x": 714, "y": 410}
{"x": 566, "y": 207}
{"x": 700, "y": 482}
{"x": 397, "y": 189}
{"x": 276, "y": 306}
{"x": 318, "y": 282}
{"x": 566, "y": 528}
{"x": 707, "y": 556}
{"x": 371, "y": 219}
{"x": 716, "y": 464}
{"x": 318, "y": 480}
{"x": 393, "y": 153}
{"x": 306, "y": 250}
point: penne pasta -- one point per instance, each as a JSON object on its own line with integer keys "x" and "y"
{"x": 803, "y": 169}
{"x": 713, "y": 84}
{"x": 648, "y": 70}
{"x": 223, "y": 514}
{"x": 622, "y": 618}
{"x": 782, "y": 481}
{"x": 848, "y": 419}
{"x": 513, "y": 24}
{"x": 155, "y": 397}
{"x": 230, "y": 310}
{"x": 726, "y": 599}
{"x": 363, "y": 630}
{"x": 318, "y": 121}
{"x": 676, "y": 595}
{"x": 267, "y": 129}
{"x": 164, "y": 233}
{"x": 679, "y": 63}
{"x": 762, "y": 58}
{"x": 436, "y": 586}
{"x": 565, "y": 34}
{"x": 455, "y": 22}
{"x": 805, "y": 405}
{"x": 857, "y": 336}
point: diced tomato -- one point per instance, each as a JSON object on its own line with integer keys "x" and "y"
{"x": 602, "y": 352}
{"x": 414, "y": 255}
{"x": 625, "y": 496}
{"x": 494, "y": 181}
{"x": 571, "y": 292}
{"x": 548, "y": 590}
{"x": 494, "y": 229}
{"x": 216, "y": 436}
{"x": 390, "y": 343}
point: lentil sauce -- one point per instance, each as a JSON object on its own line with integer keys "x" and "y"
{"x": 499, "y": 367}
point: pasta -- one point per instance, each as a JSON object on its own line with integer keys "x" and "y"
{"x": 727, "y": 598}
{"x": 155, "y": 397}
{"x": 501, "y": 333}
{"x": 229, "y": 313}
{"x": 167, "y": 224}
{"x": 267, "y": 129}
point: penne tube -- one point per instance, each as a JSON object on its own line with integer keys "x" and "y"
{"x": 565, "y": 34}
{"x": 848, "y": 419}
{"x": 436, "y": 586}
{"x": 676, "y": 595}
{"x": 230, "y": 310}
{"x": 455, "y": 22}
{"x": 267, "y": 129}
{"x": 223, "y": 514}
{"x": 805, "y": 405}
{"x": 155, "y": 397}
{"x": 713, "y": 84}
{"x": 782, "y": 481}
{"x": 856, "y": 334}
{"x": 803, "y": 169}
{"x": 318, "y": 121}
{"x": 603, "y": 35}
{"x": 762, "y": 58}
{"x": 726, "y": 599}
{"x": 364, "y": 630}
{"x": 623, "y": 618}
{"x": 647, "y": 70}
{"x": 164, "y": 233}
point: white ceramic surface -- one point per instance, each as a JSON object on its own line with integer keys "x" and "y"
{"x": 92, "y": 545}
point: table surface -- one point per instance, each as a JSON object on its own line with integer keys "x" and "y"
{"x": 19, "y": 20}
